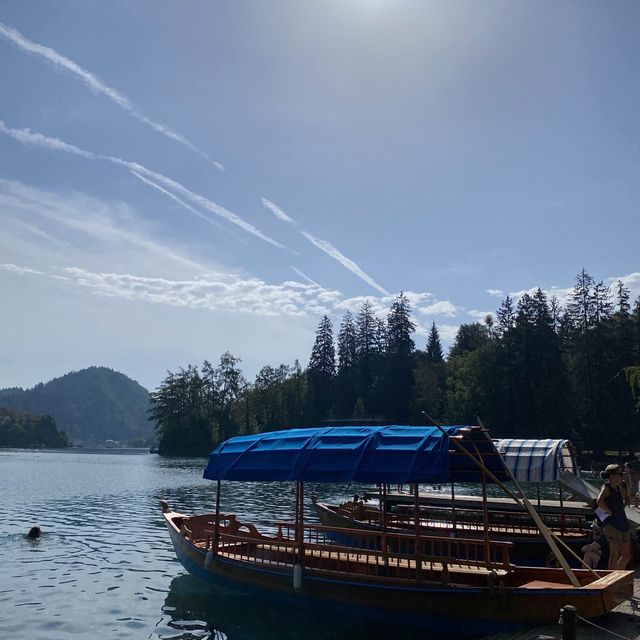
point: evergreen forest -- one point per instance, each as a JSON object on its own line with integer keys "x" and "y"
{"x": 538, "y": 369}
{"x": 26, "y": 431}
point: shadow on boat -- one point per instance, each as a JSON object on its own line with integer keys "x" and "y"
{"x": 213, "y": 612}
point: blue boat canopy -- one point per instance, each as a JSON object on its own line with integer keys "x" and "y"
{"x": 371, "y": 454}
{"x": 538, "y": 460}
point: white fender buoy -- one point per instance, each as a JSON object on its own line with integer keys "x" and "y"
{"x": 297, "y": 576}
{"x": 208, "y": 559}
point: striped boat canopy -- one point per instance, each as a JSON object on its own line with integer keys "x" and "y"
{"x": 537, "y": 460}
{"x": 380, "y": 454}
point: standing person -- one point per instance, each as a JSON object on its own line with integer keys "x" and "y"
{"x": 615, "y": 526}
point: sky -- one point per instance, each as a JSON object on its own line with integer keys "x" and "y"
{"x": 178, "y": 180}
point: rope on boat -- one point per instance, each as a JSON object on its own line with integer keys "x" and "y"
{"x": 617, "y": 635}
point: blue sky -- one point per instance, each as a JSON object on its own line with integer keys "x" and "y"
{"x": 181, "y": 179}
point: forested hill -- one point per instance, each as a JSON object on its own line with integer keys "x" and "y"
{"x": 30, "y": 432}
{"x": 91, "y": 406}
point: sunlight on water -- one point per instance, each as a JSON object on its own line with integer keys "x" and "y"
{"x": 105, "y": 567}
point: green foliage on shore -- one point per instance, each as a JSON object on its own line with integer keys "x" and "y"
{"x": 538, "y": 369}
{"x": 26, "y": 431}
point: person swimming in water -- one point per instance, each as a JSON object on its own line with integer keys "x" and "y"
{"x": 34, "y": 533}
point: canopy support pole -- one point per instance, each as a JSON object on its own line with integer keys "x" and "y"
{"x": 485, "y": 519}
{"x": 563, "y": 520}
{"x": 383, "y": 511}
{"x": 300, "y": 510}
{"x": 216, "y": 527}
{"x": 453, "y": 509}
{"x": 418, "y": 543}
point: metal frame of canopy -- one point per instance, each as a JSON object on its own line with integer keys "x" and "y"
{"x": 539, "y": 461}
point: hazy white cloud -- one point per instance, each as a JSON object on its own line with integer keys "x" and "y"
{"x": 36, "y": 231}
{"x": 97, "y": 86}
{"x": 222, "y": 293}
{"x": 480, "y": 315}
{"x": 441, "y": 308}
{"x": 111, "y": 226}
{"x": 331, "y": 251}
{"x": 448, "y": 332}
{"x": 14, "y": 268}
{"x": 562, "y": 294}
{"x": 494, "y": 292}
{"x": 277, "y": 211}
{"x": 631, "y": 281}
{"x": 26, "y": 136}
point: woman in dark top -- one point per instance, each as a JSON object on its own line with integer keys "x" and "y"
{"x": 615, "y": 526}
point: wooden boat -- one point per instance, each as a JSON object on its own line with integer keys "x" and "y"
{"x": 460, "y": 586}
{"x": 529, "y": 547}
{"x": 533, "y": 461}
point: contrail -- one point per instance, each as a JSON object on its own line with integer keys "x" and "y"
{"x": 176, "y": 199}
{"x": 325, "y": 246}
{"x": 277, "y": 211}
{"x": 26, "y": 136}
{"x": 205, "y": 203}
{"x": 96, "y": 85}
{"x": 304, "y": 276}
{"x": 330, "y": 250}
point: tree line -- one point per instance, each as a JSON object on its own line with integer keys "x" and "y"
{"x": 538, "y": 369}
{"x": 26, "y": 431}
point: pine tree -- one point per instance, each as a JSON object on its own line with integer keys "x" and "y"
{"x": 398, "y": 380}
{"x": 346, "y": 394}
{"x": 580, "y": 306}
{"x": 434, "y": 348}
{"x": 321, "y": 372}
{"x": 367, "y": 355}
{"x": 430, "y": 380}
{"x": 506, "y": 316}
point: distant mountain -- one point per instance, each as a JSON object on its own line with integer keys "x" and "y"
{"x": 92, "y": 405}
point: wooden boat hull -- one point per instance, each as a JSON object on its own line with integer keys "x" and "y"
{"x": 528, "y": 550}
{"x": 454, "y": 608}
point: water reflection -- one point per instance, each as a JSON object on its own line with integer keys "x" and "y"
{"x": 212, "y": 612}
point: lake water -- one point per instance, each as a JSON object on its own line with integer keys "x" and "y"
{"x": 105, "y": 567}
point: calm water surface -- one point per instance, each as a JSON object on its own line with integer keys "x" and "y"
{"x": 105, "y": 567}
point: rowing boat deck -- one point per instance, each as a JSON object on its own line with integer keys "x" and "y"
{"x": 467, "y": 501}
